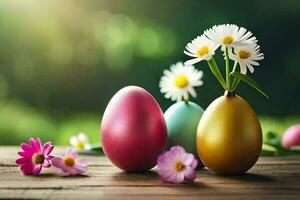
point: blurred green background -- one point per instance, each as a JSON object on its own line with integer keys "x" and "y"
{"x": 62, "y": 61}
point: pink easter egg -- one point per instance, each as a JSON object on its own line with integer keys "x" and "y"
{"x": 133, "y": 129}
{"x": 291, "y": 137}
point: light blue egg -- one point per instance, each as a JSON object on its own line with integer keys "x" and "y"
{"x": 182, "y": 120}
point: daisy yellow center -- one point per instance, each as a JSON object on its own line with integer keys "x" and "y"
{"x": 227, "y": 40}
{"x": 202, "y": 51}
{"x": 79, "y": 145}
{"x": 38, "y": 158}
{"x": 181, "y": 81}
{"x": 244, "y": 54}
{"x": 179, "y": 166}
{"x": 70, "y": 162}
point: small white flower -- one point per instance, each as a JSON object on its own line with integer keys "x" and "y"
{"x": 201, "y": 48}
{"x": 247, "y": 57}
{"x": 178, "y": 82}
{"x": 80, "y": 142}
{"x": 230, "y": 35}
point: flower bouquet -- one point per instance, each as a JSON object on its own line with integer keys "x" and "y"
{"x": 229, "y": 136}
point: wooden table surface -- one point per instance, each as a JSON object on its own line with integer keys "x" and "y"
{"x": 271, "y": 178}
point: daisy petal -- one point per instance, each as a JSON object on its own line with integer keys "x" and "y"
{"x": 74, "y": 140}
{"x": 82, "y": 137}
{"x": 193, "y": 61}
{"x": 178, "y": 83}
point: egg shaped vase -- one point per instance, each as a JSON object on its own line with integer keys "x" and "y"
{"x": 229, "y": 136}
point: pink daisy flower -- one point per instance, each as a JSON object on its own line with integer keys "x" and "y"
{"x": 34, "y": 156}
{"x": 177, "y": 166}
{"x": 70, "y": 165}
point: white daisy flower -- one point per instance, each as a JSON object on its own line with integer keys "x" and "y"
{"x": 230, "y": 35}
{"x": 247, "y": 57}
{"x": 80, "y": 142}
{"x": 179, "y": 82}
{"x": 201, "y": 48}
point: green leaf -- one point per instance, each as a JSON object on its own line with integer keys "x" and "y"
{"x": 272, "y": 146}
{"x": 273, "y": 138}
{"x": 268, "y": 150}
{"x": 216, "y": 72}
{"x": 249, "y": 81}
{"x": 96, "y": 149}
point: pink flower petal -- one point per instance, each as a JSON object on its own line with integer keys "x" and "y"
{"x": 194, "y": 164}
{"x": 50, "y": 157}
{"x": 170, "y": 156}
{"x": 190, "y": 174}
{"x": 162, "y": 159}
{"x": 168, "y": 173}
{"x": 21, "y": 161}
{"x": 60, "y": 163}
{"x": 69, "y": 172}
{"x": 24, "y": 154}
{"x": 71, "y": 153}
{"x": 27, "y": 169}
{"x": 37, "y": 170}
{"x": 166, "y": 164}
{"x": 177, "y": 153}
{"x": 65, "y": 173}
{"x": 27, "y": 148}
{"x": 47, "y": 148}
{"x": 188, "y": 158}
{"x": 168, "y": 177}
{"x": 178, "y": 150}
{"x": 179, "y": 178}
{"x": 36, "y": 144}
{"x": 83, "y": 162}
{"x": 78, "y": 169}
{"x": 57, "y": 162}
{"x": 46, "y": 163}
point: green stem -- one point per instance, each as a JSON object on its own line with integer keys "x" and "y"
{"x": 235, "y": 79}
{"x": 216, "y": 72}
{"x": 234, "y": 67}
{"x": 227, "y": 68}
{"x": 236, "y": 83}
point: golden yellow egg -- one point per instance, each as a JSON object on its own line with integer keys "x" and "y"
{"x": 229, "y": 136}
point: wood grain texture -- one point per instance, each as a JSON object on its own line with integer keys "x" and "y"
{"x": 271, "y": 178}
